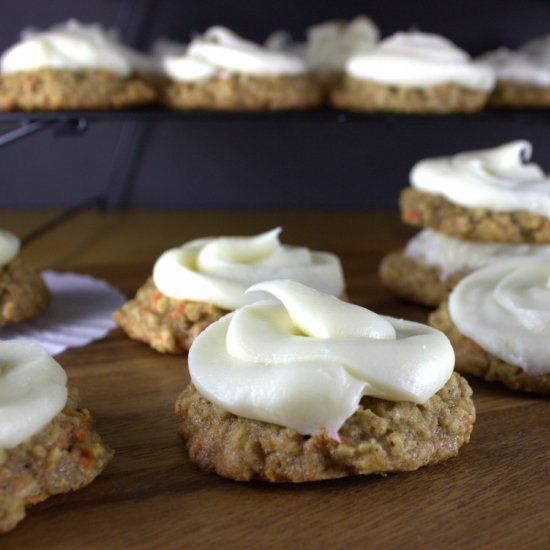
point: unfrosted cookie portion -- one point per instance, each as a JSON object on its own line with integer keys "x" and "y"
{"x": 166, "y": 324}
{"x": 56, "y": 89}
{"x": 423, "y": 209}
{"x": 380, "y": 437}
{"x": 415, "y": 281}
{"x": 23, "y": 294}
{"x": 238, "y": 92}
{"x": 473, "y": 359}
{"x": 367, "y": 95}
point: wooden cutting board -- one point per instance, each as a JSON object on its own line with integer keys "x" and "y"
{"x": 495, "y": 494}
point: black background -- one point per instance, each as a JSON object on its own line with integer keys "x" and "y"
{"x": 297, "y": 161}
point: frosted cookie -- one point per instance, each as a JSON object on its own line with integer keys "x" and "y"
{"x": 413, "y": 72}
{"x": 523, "y": 75}
{"x": 219, "y": 70}
{"x": 433, "y": 263}
{"x": 47, "y": 446}
{"x": 493, "y": 195}
{"x": 72, "y": 66}
{"x": 305, "y": 387}
{"x": 194, "y": 285}
{"x": 23, "y": 294}
{"x": 497, "y": 319}
{"x": 330, "y": 45}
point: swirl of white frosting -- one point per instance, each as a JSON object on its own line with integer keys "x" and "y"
{"x": 500, "y": 179}
{"x": 9, "y": 247}
{"x": 73, "y": 46}
{"x": 505, "y": 309}
{"x": 305, "y": 363}
{"x": 331, "y": 44}
{"x": 414, "y": 59}
{"x": 219, "y": 50}
{"x": 518, "y": 66}
{"x": 33, "y": 389}
{"x": 452, "y": 255}
{"x": 219, "y": 270}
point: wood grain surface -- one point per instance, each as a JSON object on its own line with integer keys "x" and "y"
{"x": 494, "y": 494}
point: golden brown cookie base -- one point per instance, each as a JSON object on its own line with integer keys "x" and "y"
{"x": 414, "y": 281}
{"x": 64, "y": 456}
{"x": 23, "y": 293}
{"x": 382, "y": 436}
{"x": 423, "y": 209}
{"x": 243, "y": 93}
{"x": 472, "y": 359}
{"x": 367, "y": 95}
{"x": 513, "y": 95}
{"x": 53, "y": 90}
{"x": 166, "y": 324}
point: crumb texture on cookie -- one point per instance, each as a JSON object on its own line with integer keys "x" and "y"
{"x": 422, "y": 209}
{"x": 64, "y": 456}
{"x": 166, "y": 324}
{"x": 23, "y": 293}
{"x": 381, "y": 436}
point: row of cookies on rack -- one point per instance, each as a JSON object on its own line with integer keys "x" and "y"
{"x": 343, "y": 64}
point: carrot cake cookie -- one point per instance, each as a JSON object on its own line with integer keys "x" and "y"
{"x": 491, "y": 195}
{"x": 305, "y": 387}
{"x": 497, "y": 319}
{"x": 195, "y": 284}
{"x": 414, "y": 72}
{"x": 219, "y": 70}
{"x": 47, "y": 446}
{"x": 72, "y": 66}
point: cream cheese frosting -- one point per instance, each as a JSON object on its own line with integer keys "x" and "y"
{"x": 452, "y": 255}
{"x": 415, "y": 59}
{"x": 33, "y": 390}
{"x": 220, "y": 51}
{"x": 9, "y": 247}
{"x": 219, "y": 270}
{"x": 332, "y": 43}
{"x": 306, "y": 360}
{"x": 73, "y": 46}
{"x": 505, "y": 309}
{"x": 500, "y": 179}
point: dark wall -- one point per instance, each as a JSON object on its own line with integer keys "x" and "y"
{"x": 317, "y": 160}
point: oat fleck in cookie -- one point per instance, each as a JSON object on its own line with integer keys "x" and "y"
{"x": 497, "y": 319}
{"x": 23, "y": 293}
{"x": 47, "y": 446}
{"x": 414, "y": 72}
{"x": 219, "y": 70}
{"x": 308, "y": 387}
{"x": 73, "y": 66}
{"x": 194, "y": 285}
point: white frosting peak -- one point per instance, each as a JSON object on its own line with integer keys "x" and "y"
{"x": 452, "y": 255}
{"x": 219, "y": 270}
{"x": 505, "y": 308}
{"x": 305, "y": 363}
{"x": 221, "y": 50}
{"x": 414, "y": 59}
{"x": 32, "y": 390}
{"x": 72, "y": 46}
{"x": 499, "y": 179}
{"x": 9, "y": 247}
{"x": 332, "y": 43}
